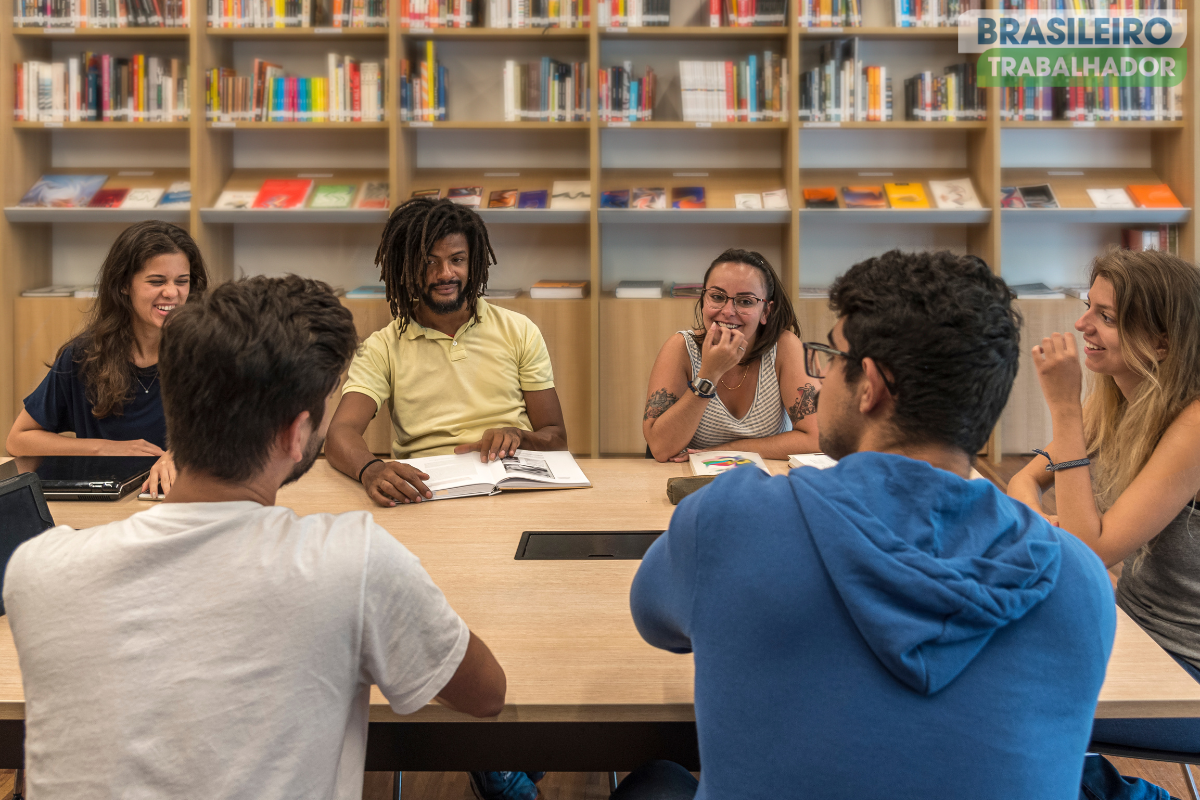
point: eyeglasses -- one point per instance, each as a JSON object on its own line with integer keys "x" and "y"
{"x": 817, "y": 358}
{"x": 742, "y": 302}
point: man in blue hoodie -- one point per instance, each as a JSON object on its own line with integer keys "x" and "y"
{"x": 886, "y": 627}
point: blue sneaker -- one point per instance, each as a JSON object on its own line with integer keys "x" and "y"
{"x": 505, "y": 785}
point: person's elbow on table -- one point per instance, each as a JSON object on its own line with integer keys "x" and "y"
{"x": 478, "y": 685}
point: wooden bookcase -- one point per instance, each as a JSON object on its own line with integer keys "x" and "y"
{"x": 602, "y": 347}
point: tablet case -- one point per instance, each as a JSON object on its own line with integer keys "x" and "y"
{"x": 23, "y": 515}
{"x": 679, "y": 488}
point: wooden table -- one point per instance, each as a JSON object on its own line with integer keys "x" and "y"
{"x": 585, "y": 693}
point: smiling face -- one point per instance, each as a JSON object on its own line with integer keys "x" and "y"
{"x": 446, "y": 271}
{"x": 158, "y": 287}
{"x": 733, "y": 279}
{"x": 1101, "y": 340}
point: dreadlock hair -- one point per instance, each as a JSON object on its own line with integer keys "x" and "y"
{"x": 412, "y": 231}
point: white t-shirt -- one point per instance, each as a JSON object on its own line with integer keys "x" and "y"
{"x": 219, "y": 650}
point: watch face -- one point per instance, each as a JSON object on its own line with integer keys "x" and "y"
{"x": 704, "y": 386}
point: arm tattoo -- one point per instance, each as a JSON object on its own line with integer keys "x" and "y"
{"x": 805, "y": 405}
{"x": 658, "y": 404}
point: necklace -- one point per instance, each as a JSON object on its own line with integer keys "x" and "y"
{"x": 145, "y": 388}
{"x": 743, "y": 380}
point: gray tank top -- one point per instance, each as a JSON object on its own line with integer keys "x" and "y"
{"x": 1163, "y": 593}
{"x": 766, "y": 416}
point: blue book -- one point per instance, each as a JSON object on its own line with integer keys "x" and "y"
{"x": 538, "y": 198}
{"x": 62, "y": 191}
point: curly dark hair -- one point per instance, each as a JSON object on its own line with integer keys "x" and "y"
{"x": 782, "y": 316}
{"x": 412, "y": 231}
{"x": 943, "y": 329}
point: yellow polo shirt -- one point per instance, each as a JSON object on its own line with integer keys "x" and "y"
{"x": 447, "y": 391}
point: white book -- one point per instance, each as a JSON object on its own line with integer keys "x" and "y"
{"x": 954, "y": 194}
{"x": 818, "y": 460}
{"x": 752, "y": 200}
{"x": 58, "y": 290}
{"x": 232, "y": 199}
{"x": 640, "y": 290}
{"x": 714, "y": 462}
{"x": 1110, "y": 198}
{"x": 571, "y": 195}
{"x": 466, "y": 475}
{"x": 776, "y": 198}
{"x": 142, "y": 198}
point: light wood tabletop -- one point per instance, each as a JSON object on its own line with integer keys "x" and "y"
{"x": 562, "y": 629}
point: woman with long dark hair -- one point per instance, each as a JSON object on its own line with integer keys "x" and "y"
{"x": 737, "y": 380}
{"x": 103, "y": 385}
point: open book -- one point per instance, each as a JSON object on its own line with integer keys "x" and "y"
{"x": 466, "y": 476}
{"x": 818, "y": 460}
{"x": 714, "y": 462}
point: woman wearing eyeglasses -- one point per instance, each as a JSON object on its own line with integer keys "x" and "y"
{"x": 737, "y": 381}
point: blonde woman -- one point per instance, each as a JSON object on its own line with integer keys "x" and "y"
{"x": 1136, "y": 501}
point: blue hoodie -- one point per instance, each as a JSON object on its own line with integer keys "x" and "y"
{"x": 879, "y": 629}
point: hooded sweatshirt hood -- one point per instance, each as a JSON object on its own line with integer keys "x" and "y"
{"x": 929, "y": 565}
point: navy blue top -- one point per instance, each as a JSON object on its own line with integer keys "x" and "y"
{"x": 60, "y": 404}
{"x": 881, "y": 628}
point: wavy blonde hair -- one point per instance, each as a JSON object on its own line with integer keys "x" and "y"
{"x": 1157, "y": 306}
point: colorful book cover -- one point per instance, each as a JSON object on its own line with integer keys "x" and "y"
{"x": 142, "y": 198}
{"x": 954, "y": 194}
{"x": 1040, "y": 196}
{"x": 62, "y": 191}
{"x": 469, "y": 196}
{"x": 751, "y": 200}
{"x": 339, "y": 195}
{"x": 821, "y": 197}
{"x": 283, "y": 193}
{"x": 648, "y": 198}
{"x": 374, "y": 194}
{"x": 618, "y": 198}
{"x": 432, "y": 194}
{"x": 503, "y": 198}
{"x": 571, "y": 195}
{"x": 1110, "y": 198}
{"x": 1155, "y": 196}
{"x": 178, "y": 195}
{"x": 231, "y": 199}
{"x": 776, "y": 198}
{"x": 688, "y": 197}
{"x": 1010, "y": 197}
{"x": 537, "y": 198}
{"x": 108, "y": 198}
{"x": 864, "y": 197}
{"x": 906, "y": 195}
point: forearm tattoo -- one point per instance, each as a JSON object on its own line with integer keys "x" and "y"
{"x": 805, "y": 405}
{"x": 658, "y": 404}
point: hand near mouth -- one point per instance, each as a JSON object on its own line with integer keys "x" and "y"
{"x": 1056, "y": 360}
{"x": 723, "y": 349}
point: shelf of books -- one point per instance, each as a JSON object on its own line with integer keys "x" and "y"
{"x": 614, "y": 148}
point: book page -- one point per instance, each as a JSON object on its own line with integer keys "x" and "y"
{"x": 531, "y": 468}
{"x": 453, "y": 471}
{"x": 714, "y": 462}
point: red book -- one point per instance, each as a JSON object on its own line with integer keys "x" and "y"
{"x": 1154, "y": 196}
{"x": 730, "y": 114}
{"x": 108, "y": 198}
{"x": 355, "y": 92}
{"x": 105, "y": 88}
{"x": 283, "y": 193}
{"x": 714, "y": 13}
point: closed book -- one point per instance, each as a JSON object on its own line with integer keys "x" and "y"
{"x": 62, "y": 191}
{"x": 1036, "y": 291}
{"x": 558, "y": 290}
{"x": 108, "y": 198}
{"x": 59, "y": 290}
{"x": 1110, "y": 198}
{"x": 576, "y": 195}
{"x": 281, "y": 193}
{"x": 368, "y": 292}
{"x": 687, "y": 290}
{"x": 536, "y": 198}
{"x": 615, "y": 199}
{"x": 648, "y": 198}
{"x": 503, "y": 198}
{"x": 1040, "y": 196}
{"x": 1154, "y": 196}
{"x": 640, "y": 290}
{"x": 501, "y": 294}
{"x": 374, "y": 194}
{"x": 469, "y": 196}
{"x": 235, "y": 200}
{"x": 864, "y": 197}
{"x": 432, "y": 194}
{"x": 821, "y": 197}
{"x": 688, "y": 197}
{"x": 333, "y": 196}
{"x": 954, "y": 194}
{"x": 749, "y": 200}
{"x": 776, "y": 198}
{"x": 1010, "y": 197}
{"x": 906, "y": 195}
{"x": 142, "y": 198}
{"x": 178, "y": 195}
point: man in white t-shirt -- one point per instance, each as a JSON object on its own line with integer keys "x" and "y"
{"x": 217, "y": 645}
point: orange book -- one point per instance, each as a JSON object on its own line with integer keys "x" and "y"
{"x": 1154, "y": 196}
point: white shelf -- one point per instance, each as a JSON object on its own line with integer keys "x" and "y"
{"x": 1133, "y": 216}
{"x": 700, "y": 216}
{"x": 539, "y": 216}
{"x": 17, "y": 214}
{"x": 345, "y": 216}
{"x": 892, "y": 216}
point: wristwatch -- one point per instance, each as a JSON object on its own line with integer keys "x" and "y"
{"x": 703, "y": 388}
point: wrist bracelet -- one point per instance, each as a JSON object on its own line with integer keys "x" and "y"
{"x": 364, "y": 467}
{"x": 701, "y": 394}
{"x": 1052, "y": 467}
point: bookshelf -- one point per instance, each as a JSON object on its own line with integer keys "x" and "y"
{"x": 602, "y": 347}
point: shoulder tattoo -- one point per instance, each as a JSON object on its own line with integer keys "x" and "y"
{"x": 658, "y": 404}
{"x": 805, "y": 405}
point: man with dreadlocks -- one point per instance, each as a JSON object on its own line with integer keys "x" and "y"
{"x": 462, "y": 375}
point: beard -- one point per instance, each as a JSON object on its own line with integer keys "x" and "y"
{"x": 836, "y": 438}
{"x": 310, "y": 456}
{"x": 443, "y": 306}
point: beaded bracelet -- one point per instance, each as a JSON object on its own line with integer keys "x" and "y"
{"x": 1080, "y": 462}
{"x": 364, "y": 467}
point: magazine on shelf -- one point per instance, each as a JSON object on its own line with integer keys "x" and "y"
{"x": 954, "y": 194}
{"x": 820, "y": 197}
{"x": 62, "y": 191}
{"x": 776, "y": 198}
{"x": 906, "y": 195}
{"x": 648, "y": 198}
{"x": 374, "y": 194}
{"x": 535, "y": 198}
{"x": 1110, "y": 198}
{"x": 750, "y": 200}
{"x": 143, "y": 198}
{"x": 108, "y": 198}
{"x": 465, "y": 475}
{"x": 333, "y": 196}
{"x": 503, "y": 198}
{"x": 178, "y": 195}
{"x": 714, "y": 462}
{"x": 469, "y": 196}
{"x": 1039, "y": 196}
{"x": 235, "y": 199}
{"x": 616, "y": 198}
{"x": 688, "y": 197}
{"x": 283, "y": 193}
{"x": 575, "y": 195}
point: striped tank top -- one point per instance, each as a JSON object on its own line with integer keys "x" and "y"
{"x": 766, "y": 416}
